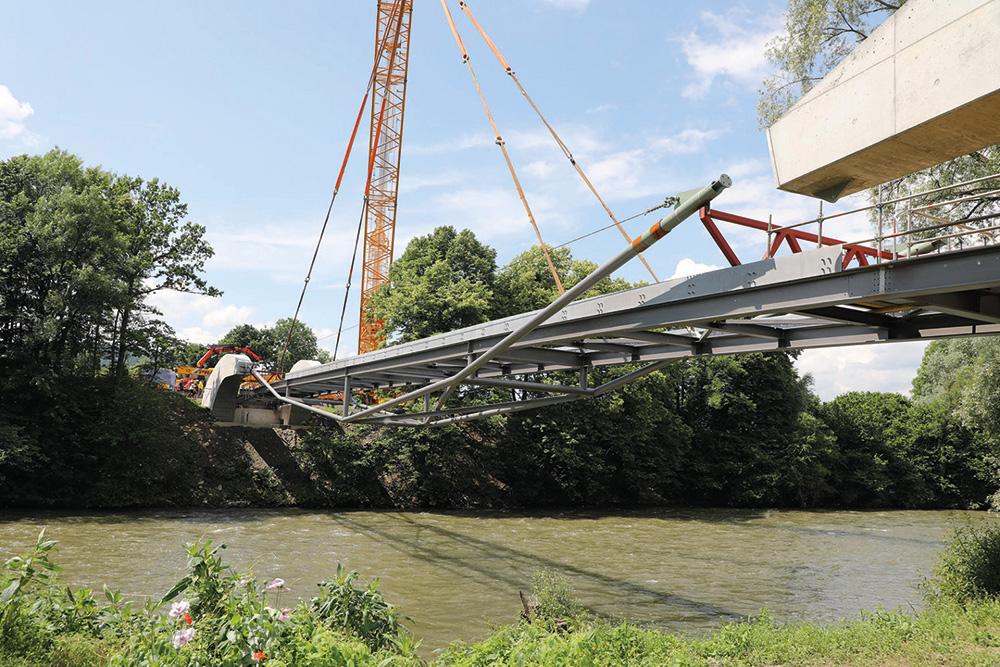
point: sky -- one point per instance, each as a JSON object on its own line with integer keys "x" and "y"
{"x": 246, "y": 108}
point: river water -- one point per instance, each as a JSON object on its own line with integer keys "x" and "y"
{"x": 456, "y": 572}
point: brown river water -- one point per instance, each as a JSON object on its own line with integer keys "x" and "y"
{"x": 455, "y": 573}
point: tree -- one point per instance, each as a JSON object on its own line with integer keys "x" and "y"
{"x": 441, "y": 282}
{"x": 526, "y": 284}
{"x": 156, "y": 250}
{"x": 268, "y": 342}
{"x": 82, "y": 248}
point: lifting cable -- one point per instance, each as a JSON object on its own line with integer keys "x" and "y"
{"x": 397, "y": 5}
{"x": 669, "y": 201}
{"x": 500, "y": 143}
{"x": 562, "y": 146}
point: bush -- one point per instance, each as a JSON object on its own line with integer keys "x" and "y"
{"x": 969, "y": 567}
{"x": 553, "y": 599}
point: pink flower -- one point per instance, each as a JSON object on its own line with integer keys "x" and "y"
{"x": 277, "y": 583}
{"x": 179, "y": 609}
{"x": 182, "y": 637}
{"x": 244, "y": 582}
{"x": 284, "y": 614}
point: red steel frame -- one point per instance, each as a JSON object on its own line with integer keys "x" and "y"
{"x": 384, "y": 146}
{"x": 792, "y": 236}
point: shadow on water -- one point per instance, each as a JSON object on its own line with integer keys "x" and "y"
{"x": 483, "y": 551}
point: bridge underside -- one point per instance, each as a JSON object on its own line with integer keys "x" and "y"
{"x": 791, "y": 302}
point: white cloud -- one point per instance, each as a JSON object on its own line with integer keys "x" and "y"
{"x": 733, "y": 49}
{"x": 687, "y": 141}
{"x": 602, "y": 108}
{"x": 687, "y": 267}
{"x": 886, "y": 367}
{"x": 198, "y": 335}
{"x": 228, "y": 316}
{"x": 214, "y": 315}
{"x": 12, "y": 117}
{"x": 477, "y": 140}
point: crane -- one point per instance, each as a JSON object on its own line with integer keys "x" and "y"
{"x": 392, "y": 42}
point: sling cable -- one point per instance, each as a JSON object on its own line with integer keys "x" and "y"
{"x": 400, "y": 12}
{"x": 562, "y": 146}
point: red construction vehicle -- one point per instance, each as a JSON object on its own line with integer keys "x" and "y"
{"x": 224, "y": 349}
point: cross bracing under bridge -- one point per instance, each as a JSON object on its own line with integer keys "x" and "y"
{"x": 801, "y": 301}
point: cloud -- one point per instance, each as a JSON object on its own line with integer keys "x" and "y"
{"x": 687, "y": 267}
{"x": 12, "y": 117}
{"x": 734, "y": 48}
{"x": 198, "y": 335}
{"x": 602, "y": 108}
{"x": 886, "y": 367}
{"x": 477, "y": 140}
{"x": 687, "y": 141}
{"x": 228, "y": 316}
{"x": 214, "y": 315}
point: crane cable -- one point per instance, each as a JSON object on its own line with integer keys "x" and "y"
{"x": 503, "y": 147}
{"x": 559, "y": 141}
{"x": 398, "y": 4}
{"x": 669, "y": 201}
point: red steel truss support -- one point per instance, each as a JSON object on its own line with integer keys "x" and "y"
{"x": 389, "y": 94}
{"x": 794, "y": 237}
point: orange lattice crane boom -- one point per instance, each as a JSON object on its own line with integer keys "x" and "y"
{"x": 392, "y": 45}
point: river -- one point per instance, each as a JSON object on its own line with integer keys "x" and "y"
{"x": 456, "y": 572}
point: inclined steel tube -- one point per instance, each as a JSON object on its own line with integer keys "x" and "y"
{"x": 689, "y": 202}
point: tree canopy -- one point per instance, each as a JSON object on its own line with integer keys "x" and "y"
{"x": 81, "y": 249}
{"x": 268, "y": 342}
{"x": 441, "y": 282}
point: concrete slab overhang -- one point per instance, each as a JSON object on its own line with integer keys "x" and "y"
{"x": 922, "y": 89}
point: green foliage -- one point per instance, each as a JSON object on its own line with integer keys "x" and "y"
{"x": 361, "y": 612}
{"x": 81, "y": 249}
{"x": 526, "y": 283}
{"x": 23, "y": 578}
{"x": 553, "y": 599}
{"x": 969, "y": 567}
{"x": 441, "y": 282}
{"x": 268, "y": 342}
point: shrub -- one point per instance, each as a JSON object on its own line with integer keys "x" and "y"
{"x": 553, "y": 598}
{"x": 969, "y": 567}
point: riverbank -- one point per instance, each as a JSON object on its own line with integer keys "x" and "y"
{"x": 98, "y": 443}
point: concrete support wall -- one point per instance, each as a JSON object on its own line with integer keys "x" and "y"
{"x": 922, "y": 89}
{"x": 223, "y": 385}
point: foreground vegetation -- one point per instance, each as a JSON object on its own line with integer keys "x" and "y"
{"x": 216, "y": 616}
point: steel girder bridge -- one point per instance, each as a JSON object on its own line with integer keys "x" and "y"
{"x": 806, "y": 300}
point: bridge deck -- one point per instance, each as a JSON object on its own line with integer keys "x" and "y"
{"x": 799, "y": 301}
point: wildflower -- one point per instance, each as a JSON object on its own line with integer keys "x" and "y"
{"x": 259, "y": 655}
{"x": 277, "y": 583}
{"x": 187, "y": 617}
{"x": 182, "y": 637}
{"x": 284, "y": 614}
{"x": 179, "y": 609}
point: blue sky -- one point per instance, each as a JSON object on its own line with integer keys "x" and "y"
{"x": 247, "y": 107}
